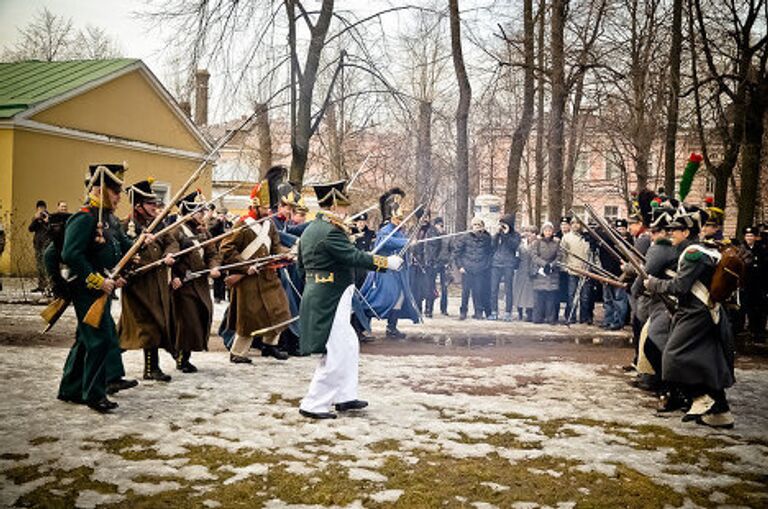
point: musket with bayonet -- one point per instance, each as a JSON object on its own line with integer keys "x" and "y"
{"x": 608, "y": 248}
{"x": 183, "y": 219}
{"x": 598, "y": 269}
{"x": 258, "y": 262}
{"x": 592, "y": 275}
{"x": 96, "y": 311}
{"x": 176, "y": 254}
{"x": 636, "y": 264}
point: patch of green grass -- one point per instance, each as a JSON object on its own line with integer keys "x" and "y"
{"x": 185, "y": 395}
{"x": 12, "y": 456}
{"x": 276, "y": 399}
{"x": 390, "y": 444}
{"x": 43, "y": 440}
{"x": 54, "y": 495}
{"x": 132, "y": 447}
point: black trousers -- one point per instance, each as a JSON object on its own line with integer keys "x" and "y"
{"x": 423, "y": 288}
{"x": 499, "y": 274}
{"x": 753, "y": 311}
{"x": 219, "y": 289}
{"x": 546, "y": 304}
{"x": 476, "y": 284}
{"x": 445, "y": 280}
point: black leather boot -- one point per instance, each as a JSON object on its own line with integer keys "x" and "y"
{"x": 152, "y": 369}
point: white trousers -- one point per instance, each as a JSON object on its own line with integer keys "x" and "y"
{"x": 335, "y": 378}
{"x": 242, "y": 344}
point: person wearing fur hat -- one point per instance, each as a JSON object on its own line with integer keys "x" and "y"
{"x": 147, "y": 318}
{"x": 327, "y": 258}
{"x": 698, "y": 357}
{"x": 192, "y": 305}
{"x": 93, "y": 244}
{"x": 258, "y": 300}
{"x": 503, "y": 265}
{"x": 388, "y": 294}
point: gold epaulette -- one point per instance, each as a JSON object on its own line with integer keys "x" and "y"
{"x": 380, "y": 262}
{"x": 337, "y": 222}
{"x": 94, "y": 281}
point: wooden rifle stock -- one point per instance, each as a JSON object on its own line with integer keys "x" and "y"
{"x": 94, "y": 314}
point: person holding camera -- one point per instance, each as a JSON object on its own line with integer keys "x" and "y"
{"x": 505, "y": 261}
{"x": 39, "y": 228}
{"x": 546, "y": 276}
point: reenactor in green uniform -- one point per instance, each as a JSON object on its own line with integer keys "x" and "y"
{"x": 147, "y": 320}
{"x": 327, "y": 258}
{"x": 93, "y": 244}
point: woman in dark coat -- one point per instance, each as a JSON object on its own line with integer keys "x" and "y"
{"x": 546, "y": 276}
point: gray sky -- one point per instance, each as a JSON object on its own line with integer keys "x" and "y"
{"x": 115, "y": 16}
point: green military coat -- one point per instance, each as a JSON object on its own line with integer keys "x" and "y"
{"x": 85, "y": 371}
{"x": 147, "y": 318}
{"x": 327, "y": 259}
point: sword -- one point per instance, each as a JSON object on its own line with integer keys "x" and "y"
{"x": 439, "y": 237}
{"x": 357, "y": 173}
{"x": 389, "y": 236}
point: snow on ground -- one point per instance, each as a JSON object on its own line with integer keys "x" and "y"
{"x": 231, "y": 427}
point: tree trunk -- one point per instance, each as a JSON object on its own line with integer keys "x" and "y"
{"x": 265, "y": 138}
{"x": 751, "y": 150}
{"x": 303, "y": 129}
{"x": 670, "y": 136}
{"x": 462, "y": 117}
{"x": 556, "y": 110}
{"x": 424, "y": 153}
{"x": 335, "y": 150}
{"x": 540, "y": 119}
{"x": 574, "y": 144}
{"x": 523, "y": 130}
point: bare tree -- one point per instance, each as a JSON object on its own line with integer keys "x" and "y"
{"x": 673, "y": 103}
{"x": 462, "y": 116}
{"x": 50, "y": 37}
{"x": 540, "y": 159}
{"x": 557, "y": 108}
{"x": 523, "y": 129}
{"x": 728, "y": 46}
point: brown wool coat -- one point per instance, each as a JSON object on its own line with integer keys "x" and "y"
{"x": 192, "y": 306}
{"x": 147, "y": 317}
{"x": 258, "y": 300}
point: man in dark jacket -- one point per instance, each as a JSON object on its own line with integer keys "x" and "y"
{"x": 615, "y": 300}
{"x": 754, "y": 295}
{"x": 505, "y": 262}
{"x": 473, "y": 258}
{"x": 423, "y": 263}
{"x": 442, "y": 264}
{"x": 363, "y": 238}
{"x": 218, "y": 225}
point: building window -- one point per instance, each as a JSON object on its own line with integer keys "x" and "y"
{"x": 495, "y": 209}
{"x": 611, "y": 212}
{"x": 710, "y": 184}
{"x": 163, "y": 191}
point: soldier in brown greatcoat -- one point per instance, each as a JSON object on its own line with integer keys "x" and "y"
{"x": 147, "y": 320}
{"x": 258, "y": 298}
{"x": 192, "y": 306}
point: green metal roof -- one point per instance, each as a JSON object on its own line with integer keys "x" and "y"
{"x": 25, "y": 84}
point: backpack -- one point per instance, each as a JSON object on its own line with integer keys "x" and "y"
{"x": 730, "y": 273}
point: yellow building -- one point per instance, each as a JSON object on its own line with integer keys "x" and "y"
{"x": 56, "y": 118}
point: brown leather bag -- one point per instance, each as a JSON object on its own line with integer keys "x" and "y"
{"x": 729, "y": 274}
